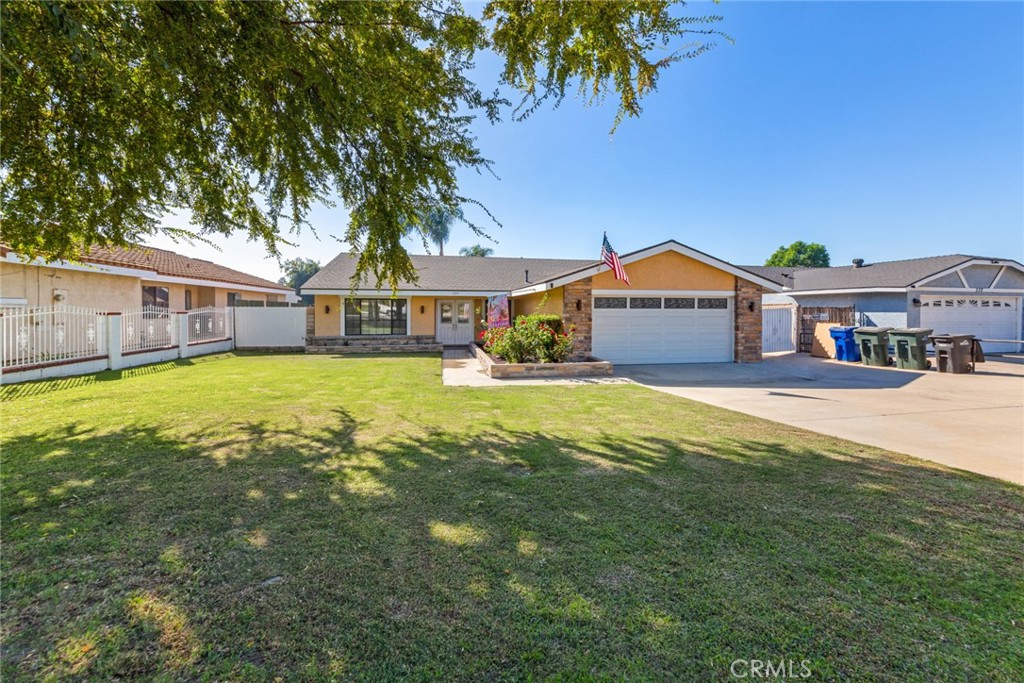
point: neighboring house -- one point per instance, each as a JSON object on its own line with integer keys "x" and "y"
{"x": 684, "y": 306}
{"x": 950, "y": 294}
{"x": 118, "y": 279}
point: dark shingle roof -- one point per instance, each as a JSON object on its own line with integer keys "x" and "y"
{"x": 167, "y": 262}
{"x": 453, "y": 273}
{"x": 777, "y": 274}
{"x": 883, "y": 274}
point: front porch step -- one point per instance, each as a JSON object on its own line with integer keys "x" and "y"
{"x": 372, "y": 341}
{"x": 387, "y": 348}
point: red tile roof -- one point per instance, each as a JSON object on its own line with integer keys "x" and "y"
{"x": 167, "y": 262}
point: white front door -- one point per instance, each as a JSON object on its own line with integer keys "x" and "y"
{"x": 454, "y": 321}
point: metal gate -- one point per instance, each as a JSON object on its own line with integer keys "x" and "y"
{"x": 778, "y": 333}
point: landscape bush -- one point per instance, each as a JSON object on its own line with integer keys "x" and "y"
{"x": 537, "y": 338}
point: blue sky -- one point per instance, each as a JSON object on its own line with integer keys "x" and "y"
{"x": 882, "y": 130}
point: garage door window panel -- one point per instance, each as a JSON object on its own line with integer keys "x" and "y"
{"x": 717, "y": 303}
{"x": 680, "y": 302}
{"x": 645, "y": 302}
{"x": 610, "y": 302}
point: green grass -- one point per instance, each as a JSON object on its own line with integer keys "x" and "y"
{"x": 293, "y": 517}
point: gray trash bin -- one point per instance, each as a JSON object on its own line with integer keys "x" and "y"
{"x": 953, "y": 352}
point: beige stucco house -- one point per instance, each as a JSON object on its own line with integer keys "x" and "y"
{"x": 119, "y": 279}
{"x": 683, "y": 306}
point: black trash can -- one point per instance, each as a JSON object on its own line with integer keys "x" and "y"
{"x": 954, "y": 352}
{"x": 911, "y": 347}
{"x": 873, "y": 343}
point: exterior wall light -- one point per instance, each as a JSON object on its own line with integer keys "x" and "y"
{"x": 327, "y": 309}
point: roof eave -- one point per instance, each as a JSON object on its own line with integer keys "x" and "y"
{"x": 639, "y": 255}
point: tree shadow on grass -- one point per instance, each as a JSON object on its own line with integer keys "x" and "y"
{"x": 13, "y": 392}
{"x": 255, "y": 550}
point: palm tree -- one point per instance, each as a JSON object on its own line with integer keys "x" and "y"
{"x": 476, "y": 250}
{"x": 436, "y": 225}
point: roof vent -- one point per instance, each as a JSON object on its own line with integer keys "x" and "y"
{"x": 527, "y": 276}
{"x": 858, "y": 262}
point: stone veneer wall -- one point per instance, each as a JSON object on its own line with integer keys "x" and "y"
{"x": 747, "y": 346}
{"x": 582, "y": 319}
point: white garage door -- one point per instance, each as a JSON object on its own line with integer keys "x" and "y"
{"x": 663, "y": 329}
{"x": 992, "y": 317}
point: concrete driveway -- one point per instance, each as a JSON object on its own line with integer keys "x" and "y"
{"x": 974, "y": 422}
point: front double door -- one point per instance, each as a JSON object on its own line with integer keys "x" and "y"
{"x": 455, "y": 321}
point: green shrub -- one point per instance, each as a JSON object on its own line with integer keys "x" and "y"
{"x": 550, "y": 319}
{"x": 531, "y": 339}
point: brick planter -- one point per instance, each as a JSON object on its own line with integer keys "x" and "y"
{"x": 500, "y": 369}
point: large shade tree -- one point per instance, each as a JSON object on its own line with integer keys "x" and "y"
{"x": 247, "y": 114}
{"x": 800, "y": 254}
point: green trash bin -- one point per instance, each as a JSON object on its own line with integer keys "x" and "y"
{"x": 873, "y": 343}
{"x": 911, "y": 347}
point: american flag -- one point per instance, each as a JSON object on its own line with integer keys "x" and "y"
{"x": 611, "y": 259}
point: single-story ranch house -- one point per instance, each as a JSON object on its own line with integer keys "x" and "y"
{"x": 119, "y": 279}
{"x": 956, "y": 294}
{"x": 684, "y": 306}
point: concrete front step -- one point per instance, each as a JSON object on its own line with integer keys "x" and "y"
{"x": 367, "y": 341}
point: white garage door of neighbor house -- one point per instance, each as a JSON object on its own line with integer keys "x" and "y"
{"x": 991, "y": 317}
{"x": 631, "y": 330}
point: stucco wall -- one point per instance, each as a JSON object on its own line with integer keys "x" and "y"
{"x": 980, "y": 277}
{"x": 82, "y": 288}
{"x": 537, "y": 303}
{"x": 327, "y": 323}
{"x": 669, "y": 270}
{"x": 1011, "y": 279}
{"x": 93, "y": 289}
{"x": 422, "y": 323}
{"x": 876, "y": 310}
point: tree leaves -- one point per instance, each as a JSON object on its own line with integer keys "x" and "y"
{"x": 249, "y": 114}
{"x": 800, "y": 254}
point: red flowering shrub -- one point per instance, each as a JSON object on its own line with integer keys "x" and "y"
{"x": 532, "y": 339}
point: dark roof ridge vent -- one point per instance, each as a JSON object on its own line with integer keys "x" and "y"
{"x": 858, "y": 262}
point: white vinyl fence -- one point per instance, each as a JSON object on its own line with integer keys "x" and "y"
{"x": 778, "y": 328}
{"x": 257, "y": 328}
{"x": 51, "y": 334}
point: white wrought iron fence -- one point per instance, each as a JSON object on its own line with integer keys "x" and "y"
{"x": 208, "y": 324}
{"x": 49, "y": 334}
{"x": 147, "y": 328}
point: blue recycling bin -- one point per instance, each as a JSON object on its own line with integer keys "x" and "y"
{"x": 846, "y": 346}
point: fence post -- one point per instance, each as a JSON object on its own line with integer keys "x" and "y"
{"x": 182, "y": 334}
{"x": 114, "y": 361}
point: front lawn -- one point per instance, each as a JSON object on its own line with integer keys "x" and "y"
{"x": 285, "y": 517}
